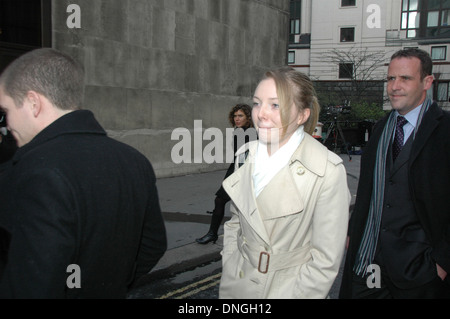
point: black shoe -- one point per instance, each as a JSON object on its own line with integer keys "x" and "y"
{"x": 210, "y": 236}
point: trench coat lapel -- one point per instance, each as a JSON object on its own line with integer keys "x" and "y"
{"x": 280, "y": 196}
{"x": 239, "y": 187}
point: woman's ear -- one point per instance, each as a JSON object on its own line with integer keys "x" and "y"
{"x": 303, "y": 116}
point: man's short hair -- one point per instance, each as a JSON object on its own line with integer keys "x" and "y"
{"x": 425, "y": 59}
{"x": 46, "y": 71}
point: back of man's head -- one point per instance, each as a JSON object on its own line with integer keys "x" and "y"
{"x": 46, "y": 71}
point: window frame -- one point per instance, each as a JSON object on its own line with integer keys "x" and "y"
{"x": 291, "y": 53}
{"x": 348, "y": 5}
{"x": 407, "y": 13}
{"x": 344, "y": 68}
{"x": 341, "y": 29}
{"x": 432, "y": 19}
{"x": 439, "y": 47}
{"x": 438, "y": 97}
{"x": 295, "y": 22}
{"x": 11, "y": 50}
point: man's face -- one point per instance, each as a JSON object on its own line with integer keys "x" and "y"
{"x": 405, "y": 87}
{"x": 18, "y": 119}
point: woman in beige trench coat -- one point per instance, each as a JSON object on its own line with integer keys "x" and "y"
{"x": 290, "y": 200}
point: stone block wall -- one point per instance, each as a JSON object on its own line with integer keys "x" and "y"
{"x": 156, "y": 65}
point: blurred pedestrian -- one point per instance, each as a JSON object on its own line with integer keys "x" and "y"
{"x": 290, "y": 200}
{"x": 399, "y": 233}
{"x": 81, "y": 209}
{"x": 240, "y": 117}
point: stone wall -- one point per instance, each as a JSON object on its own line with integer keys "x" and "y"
{"x": 156, "y": 65}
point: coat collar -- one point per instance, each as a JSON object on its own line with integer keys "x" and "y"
{"x": 429, "y": 123}
{"x": 312, "y": 155}
{"x": 76, "y": 122}
{"x": 239, "y": 186}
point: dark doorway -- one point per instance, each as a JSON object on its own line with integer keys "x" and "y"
{"x": 24, "y": 26}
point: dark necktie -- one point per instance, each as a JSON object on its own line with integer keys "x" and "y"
{"x": 398, "y": 139}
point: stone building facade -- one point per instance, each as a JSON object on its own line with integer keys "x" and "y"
{"x": 153, "y": 66}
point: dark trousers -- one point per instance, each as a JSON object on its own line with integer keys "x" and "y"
{"x": 436, "y": 289}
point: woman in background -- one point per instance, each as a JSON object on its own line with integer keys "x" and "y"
{"x": 240, "y": 118}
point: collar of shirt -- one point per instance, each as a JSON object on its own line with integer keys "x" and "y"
{"x": 267, "y": 167}
{"x": 411, "y": 117}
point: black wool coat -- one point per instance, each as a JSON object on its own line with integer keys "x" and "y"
{"x": 429, "y": 186}
{"x": 73, "y": 196}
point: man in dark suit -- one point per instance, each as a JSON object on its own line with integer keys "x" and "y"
{"x": 399, "y": 232}
{"x": 79, "y": 211}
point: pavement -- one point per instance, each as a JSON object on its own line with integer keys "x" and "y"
{"x": 184, "y": 202}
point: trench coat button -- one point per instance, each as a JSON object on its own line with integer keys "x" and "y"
{"x": 241, "y": 274}
{"x": 300, "y": 171}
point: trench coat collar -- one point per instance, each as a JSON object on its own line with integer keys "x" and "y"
{"x": 310, "y": 154}
{"x": 75, "y": 122}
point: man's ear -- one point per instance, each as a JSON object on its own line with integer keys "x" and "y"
{"x": 35, "y": 102}
{"x": 428, "y": 81}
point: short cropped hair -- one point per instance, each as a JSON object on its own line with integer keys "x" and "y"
{"x": 46, "y": 71}
{"x": 425, "y": 59}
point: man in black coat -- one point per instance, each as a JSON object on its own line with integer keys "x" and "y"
{"x": 406, "y": 242}
{"x": 79, "y": 212}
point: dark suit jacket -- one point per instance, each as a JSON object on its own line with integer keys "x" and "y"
{"x": 75, "y": 196}
{"x": 429, "y": 178}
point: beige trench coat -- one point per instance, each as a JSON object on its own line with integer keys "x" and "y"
{"x": 289, "y": 242}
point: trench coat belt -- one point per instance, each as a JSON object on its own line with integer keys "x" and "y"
{"x": 265, "y": 261}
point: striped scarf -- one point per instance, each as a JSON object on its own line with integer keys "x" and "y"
{"x": 367, "y": 248}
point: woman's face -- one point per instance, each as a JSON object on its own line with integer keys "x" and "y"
{"x": 267, "y": 118}
{"x": 240, "y": 119}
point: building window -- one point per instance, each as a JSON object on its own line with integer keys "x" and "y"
{"x": 24, "y": 22}
{"x": 442, "y": 92}
{"x": 348, "y": 3}
{"x": 438, "y": 18}
{"x": 295, "y": 16}
{"x": 346, "y": 70}
{"x": 24, "y": 26}
{"x": 411, "y": 17}
{"x": 347, "y": 34}
{"x": 426, "y": 19}
{"x": 291, "y": 57}
{"x": 439, "y": 53}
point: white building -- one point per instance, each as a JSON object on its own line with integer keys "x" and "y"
{"x": 336, "y": 41}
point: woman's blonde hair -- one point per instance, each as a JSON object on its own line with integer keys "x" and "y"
{"x": 295, "y": 88}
